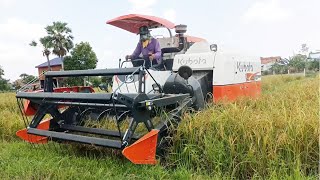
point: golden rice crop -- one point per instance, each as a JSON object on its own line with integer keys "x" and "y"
{"x": 10, "y": 116}
{"x": 276, "y": 134}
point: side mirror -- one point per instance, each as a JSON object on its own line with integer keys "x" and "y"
{"x": 214, "y": 47}
{"x": 185, "y": 72}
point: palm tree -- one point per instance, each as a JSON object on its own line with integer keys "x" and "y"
{"x": 60, "y": 38}
{"x": 46, "y": 43}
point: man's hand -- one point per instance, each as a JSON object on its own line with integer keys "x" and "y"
{"x": 151, "y": 57}
{"x": 128, "y": 57}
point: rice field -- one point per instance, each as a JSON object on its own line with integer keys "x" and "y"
{"x": 273, "y": 137}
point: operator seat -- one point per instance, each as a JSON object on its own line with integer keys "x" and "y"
{"x": 166, "y": 45}
{"x": 167, "y": 63}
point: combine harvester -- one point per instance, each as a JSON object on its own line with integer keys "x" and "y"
{"x": 193, "y": 71}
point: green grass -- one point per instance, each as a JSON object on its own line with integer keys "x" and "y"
{"x": 20, "y": 160}
{"x": 272, "y": 137}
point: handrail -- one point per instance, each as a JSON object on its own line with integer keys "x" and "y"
{"x": 93, "y": 72}
{"x": 28, "y": 84}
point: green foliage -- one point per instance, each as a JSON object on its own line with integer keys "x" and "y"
{"x": 264, "y": 73}
{"x": 59, "y": 38}
{"x": 297, "y": 62}
{"x": 82, "y": 58}
{"x": 96, "y": 81}
{"x": 313, "y": 65}
{"x": 304, "y": 48}
{"x": 104, "y": 81}
{"x": 26, "y": 78}
{"x": 4, "y": 83}
{"x": 73, "y": 81}
{"x": 279, "y": 69}
{"x": 1, "y": 72}
{"x": 33, "y": 43}
{"x": 23, "y": 75}
{"x": 46, "y": 45}
{"x": 17, "y": 84}
{"x": 107, "y": 80}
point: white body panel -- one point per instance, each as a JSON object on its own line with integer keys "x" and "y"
{"x": 232, "y": 68}
{"x": 198, "y": 57}
{"x": 228, "y": 68}
{"x": 197, "y": 61}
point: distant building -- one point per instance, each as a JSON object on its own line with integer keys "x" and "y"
{"x": 267, "y": 62}
{"x": 56, "y": 64}
{"x": 314, "y": 56}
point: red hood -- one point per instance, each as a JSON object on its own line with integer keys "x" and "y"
{"x": 194, "y": 39}
{"x": 133, "y": 22}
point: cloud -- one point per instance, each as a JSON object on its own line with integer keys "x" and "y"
{"x": 142, "y": 6}
{"x": 16, "y": 56}
{"x": 266, "y": 11}
{"x": 17, "y": 29}
{"x": 7, "y": 3}
{"x": 170, "y": 14}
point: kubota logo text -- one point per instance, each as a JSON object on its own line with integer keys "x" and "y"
{"x": 190, "y": 61}
{"x": 244, "y": 66}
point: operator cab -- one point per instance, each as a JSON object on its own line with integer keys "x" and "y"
{"x": 172, "y": 45}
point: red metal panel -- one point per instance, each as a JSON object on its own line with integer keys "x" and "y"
{"x": 133, "y": 22}
{"x": 45, "y": 124}
{"x": 233, "y": 91}
{"x": 143, "y": 151}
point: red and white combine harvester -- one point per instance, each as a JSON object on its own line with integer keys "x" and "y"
{"x": 145, "y": 102}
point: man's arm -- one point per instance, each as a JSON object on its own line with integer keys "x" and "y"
{"x": 157, "y": 51}
{"x": 136, "y": 52}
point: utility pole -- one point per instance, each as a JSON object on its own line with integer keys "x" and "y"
{"x": 304, "y": 51}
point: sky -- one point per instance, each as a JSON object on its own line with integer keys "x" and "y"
{"x": 257, "y": 27}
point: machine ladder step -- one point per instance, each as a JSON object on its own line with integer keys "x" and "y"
{"x": 76, "y": 138}
{"x": 94, "y": 131}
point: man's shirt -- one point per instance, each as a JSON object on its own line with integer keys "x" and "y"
{"x": 153, "y": 47}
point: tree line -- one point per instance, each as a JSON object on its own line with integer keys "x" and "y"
{"x": 4, "y": 83}
{"x": 296, "y": 64}
{"x": 58, "y": 41}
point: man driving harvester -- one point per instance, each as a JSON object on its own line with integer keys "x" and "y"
{"x": 148, "y": 47}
